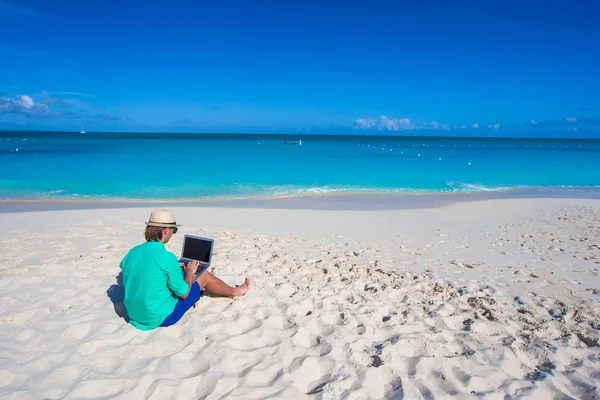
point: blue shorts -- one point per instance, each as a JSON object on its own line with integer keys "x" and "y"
{"x": 183, "y": 305}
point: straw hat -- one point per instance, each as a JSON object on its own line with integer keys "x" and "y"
{"x": 162, "y": 219}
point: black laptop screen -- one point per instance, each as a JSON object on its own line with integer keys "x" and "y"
{"x": 197, "y": 249}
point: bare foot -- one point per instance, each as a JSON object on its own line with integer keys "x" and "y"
{"x": 242, "y": 289}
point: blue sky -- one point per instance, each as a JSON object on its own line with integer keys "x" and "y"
{"x": 425, "y": 67}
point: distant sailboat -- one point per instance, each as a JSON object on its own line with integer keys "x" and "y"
{"x": 82, "y": 131}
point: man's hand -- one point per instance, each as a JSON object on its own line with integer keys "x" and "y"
{"x": 191, "y": 267}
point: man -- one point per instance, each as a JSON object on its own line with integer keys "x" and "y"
{"x": 156, "y": 291}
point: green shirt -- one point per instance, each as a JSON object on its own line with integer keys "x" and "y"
{"x": 153, "y": 282}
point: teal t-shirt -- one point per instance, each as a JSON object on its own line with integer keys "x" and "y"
{"x": 153, "y": 282}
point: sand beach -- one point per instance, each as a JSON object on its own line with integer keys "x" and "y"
{"x": 496, "y": 299}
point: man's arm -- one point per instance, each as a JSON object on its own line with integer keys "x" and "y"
{"x": 179, "y": 285}
{"x": 190, "y": 272}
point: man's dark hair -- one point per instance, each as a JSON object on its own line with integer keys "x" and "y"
{"x": 153, "y": 234}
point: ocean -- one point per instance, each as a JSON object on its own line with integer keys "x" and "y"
{"x": 194, "y": 167}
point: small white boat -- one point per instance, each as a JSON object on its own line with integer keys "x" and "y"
{"x": 82, "y": 131}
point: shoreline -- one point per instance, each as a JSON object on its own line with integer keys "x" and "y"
{"x": 356, "y": 201}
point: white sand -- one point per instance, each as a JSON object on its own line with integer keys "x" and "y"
{"x": 488, "y": 299}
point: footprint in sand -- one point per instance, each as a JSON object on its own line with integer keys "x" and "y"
{"x": 312, "y": 374}
{"x": 287, "y": 290}
{"x": 411, "y": 347}
{"x": 280, "y": 322}
{"x": 306, "y": 339}
{"x": 87, "y": 349}
{"x": 317, "y": 327}
{"x": 381, "y": 383}
{"x": 302, "y": 309}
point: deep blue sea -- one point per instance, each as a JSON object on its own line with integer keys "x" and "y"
{"x": 133, "y": 166}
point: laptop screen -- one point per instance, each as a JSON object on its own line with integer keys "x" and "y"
{"x": 197, "y": 249}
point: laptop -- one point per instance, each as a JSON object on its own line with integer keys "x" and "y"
{"x": 199, "y": 249}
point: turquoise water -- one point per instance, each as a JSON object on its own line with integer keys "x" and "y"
{"x": 183, "y": 167}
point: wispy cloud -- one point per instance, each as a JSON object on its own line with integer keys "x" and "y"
{"x": 106, "y": 117}
{"x": 433, "y": 125}
{"x": 585, "y": 124}
{"x": 69, "y": 115}
{"x": 8, "y": 10}
{"x": 23, "y": 105}
{"x": 77, "y": 94}
{"x": 64, "y": 103}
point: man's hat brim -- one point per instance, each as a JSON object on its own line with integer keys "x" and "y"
{"x": 162, "y": 224}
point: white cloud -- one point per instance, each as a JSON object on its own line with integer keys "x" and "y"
{"x": 475, "y": 125}
{"x": 362, "y": 123}
{"x": 534, "y": 122}
{"x": 23, "y": 105}
{"x": 571, "y": 119}
{"x": 497, "y": 126}
{"x": 393, "y": 124}
{"x": 433, "y": 125}
{"x": 384, "y": 124}
{"x": 25, "y": 102}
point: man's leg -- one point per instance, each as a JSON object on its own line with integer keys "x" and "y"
{"x": 219, "y": 288}
{"x": 183, "y": 305}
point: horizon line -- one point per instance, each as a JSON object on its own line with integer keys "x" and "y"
{"x": 298, "y": 134}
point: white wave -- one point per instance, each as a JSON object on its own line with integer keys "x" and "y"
{"x": 323, "y": 190}
{"x": 479, "y": 187}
